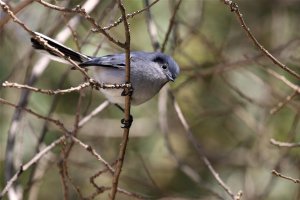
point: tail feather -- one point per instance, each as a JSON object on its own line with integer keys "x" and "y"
{"x": 77, "y": 57}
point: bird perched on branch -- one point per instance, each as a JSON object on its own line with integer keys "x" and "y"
{"x": 149, "y": 71}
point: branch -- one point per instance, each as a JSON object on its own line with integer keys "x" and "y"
{"x": 49, "y": 92}
{"x": 200, "y": 152}
{"x": 127, "y": 115}
{"x": 79, "y": 10}
{"x": 17, "y": 9}
{"x": 48, "y": 148}
{"x": 37, "y": 70}
{"x": 91, "y": 82}
{"x": 234, "y": 8}
{"x": 284, "y": 144}
{"x": 54, "y": 121}
{"x": 29, "y": 163}
{"x": 274, "y": 172}
{"x": 97, "y": 110}
{"x": 152, "y": 29}
{"x": 131, "y": 15}
{"x": 171, "y": 24}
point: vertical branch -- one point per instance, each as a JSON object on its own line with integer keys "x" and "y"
{"x": 152, "y": 29}
{"x": 171, "y": 24}
{"x": 127, "y": 115}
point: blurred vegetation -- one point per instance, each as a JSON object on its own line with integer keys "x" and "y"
{"x": 224, "y": 91}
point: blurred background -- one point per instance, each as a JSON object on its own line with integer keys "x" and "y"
{"x": 232, "y": 96}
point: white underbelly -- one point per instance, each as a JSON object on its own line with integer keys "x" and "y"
{"x": 114, "y": 95}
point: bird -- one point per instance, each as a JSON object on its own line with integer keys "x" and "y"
{"x": 150, "y": 71}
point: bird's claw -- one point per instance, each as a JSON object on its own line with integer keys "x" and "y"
{"x": 127, "y": 123}
{"x": 127, "y": 92}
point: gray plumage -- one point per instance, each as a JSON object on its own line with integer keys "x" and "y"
{"x": 150, "y": 71}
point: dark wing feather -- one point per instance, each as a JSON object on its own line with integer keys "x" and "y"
{"x": 116, "y": 61}
{"x": 65, "y": 50}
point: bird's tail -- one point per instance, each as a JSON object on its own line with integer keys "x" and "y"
{"x": 77, "y": 57}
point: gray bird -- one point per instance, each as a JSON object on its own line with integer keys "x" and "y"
{"x": 150, "y": 71}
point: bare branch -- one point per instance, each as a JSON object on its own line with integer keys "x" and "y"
{"x": 97, "y": 110}
{"x": 127, "y": 115}
{"x": 30, "y": 163}
{"x": 200, "y": 152}
{"x": 234, "y": 8}
{"x": 21, "y": 6}
{"x": 49, "y": 92}
{"x": 284, "y": 144}
{"x": 274, "y": 172}
{"x": 128, "y": 16}
{"x": 152, "y": 29}
{"x": 171, "y": 24}
{"x": 83, "y": 13}
{"x": 92, "y": 83}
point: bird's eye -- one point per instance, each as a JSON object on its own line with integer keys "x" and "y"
{"x": 164, "y": 66}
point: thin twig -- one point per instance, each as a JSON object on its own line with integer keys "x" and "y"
{"x": 94, "y": 153}
{"x": 49, "y": 92}
{"x": 282, "y": 103}
{"x": 163, "y": 122}
{"x": 42, "y": 41}
{"x": 79, "y": 10}
{"x": 283, "y": 155}
{"x": 200, "y": 152}
{"x": 274, "y": 172}
{"x": 171, "y": 24}
{"x": 128, "y": 16}
{"x": 97, "y": 110}
{"x": 234, "y": 8}
{"x": 127, "y": 115}
{"x": 31, "y": 189}
{"x": 288, "y": 98}
{"x": 30, "y": 163}
{"x": 152, "y": 29}
{"x": 40, "y": 154}
{"x": 92, "y": 83}
{"x": 18, "y": 8}
{"x": 54, "y": 121}
{"x": 37, "y": 70}
{"x": 284, "y": 144}
{"x": 62, "y": 172}
{"x": 242, "y": 95}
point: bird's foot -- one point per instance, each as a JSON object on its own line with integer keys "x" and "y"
{"x": 127, "y": 92}
{"x": 127, "y": 123}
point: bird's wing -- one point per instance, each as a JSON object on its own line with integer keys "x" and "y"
{"x": 77, "y": 57}
{"x": 115, "y": 61}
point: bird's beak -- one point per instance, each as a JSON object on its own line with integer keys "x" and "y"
{"x": 170, "y": 77}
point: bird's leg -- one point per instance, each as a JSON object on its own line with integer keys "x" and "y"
{"x": 127, "y": 91}
{"x": 125, "y": 123}
{"x": 120, "y": 107}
